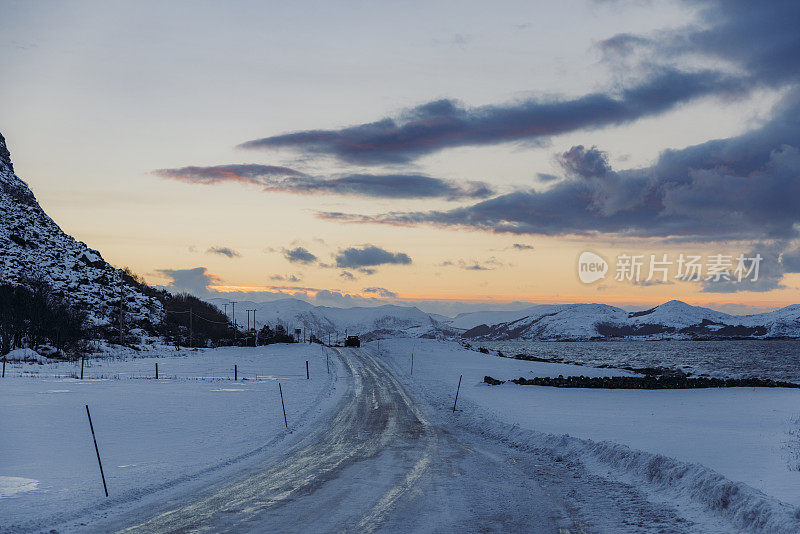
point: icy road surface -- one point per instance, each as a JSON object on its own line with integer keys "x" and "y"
{"x": 383, "y": 464}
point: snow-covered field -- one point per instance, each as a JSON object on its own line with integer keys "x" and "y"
{"x": 722, "y": 456}
{"x": 191, "y": 424}
{"x": 747, "y": 435}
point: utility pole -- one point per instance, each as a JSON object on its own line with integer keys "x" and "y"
{"x": 254, "y": 324}
{"x": 255, "y": 327}
{"x": 225, "y": 306}
{"x": 233, "y": 316}
{"x": 121, "y": 318}
{"x": 191, "y": 329}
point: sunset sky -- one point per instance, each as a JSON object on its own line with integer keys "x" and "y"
{"x": 447, "y": 154}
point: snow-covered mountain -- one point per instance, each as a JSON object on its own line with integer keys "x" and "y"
{"x": 472, "y": 319}
{"x": 33, "y": 247}
{"x": 367, "y": 322}
{"x": 673, "y": 319}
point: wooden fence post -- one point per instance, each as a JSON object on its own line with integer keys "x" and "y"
{"x": 457, "y": 390}
{"x": 285, "y": 422}
{"x": 97, "y": 450}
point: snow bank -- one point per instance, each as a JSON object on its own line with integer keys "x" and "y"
{"x": 28, "y": 355}
{"x": 746, "y": 508}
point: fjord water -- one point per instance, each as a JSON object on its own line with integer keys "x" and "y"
{"x": 778, "y": 359}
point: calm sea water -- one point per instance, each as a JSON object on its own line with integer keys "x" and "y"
{"x": 776, "y": 359}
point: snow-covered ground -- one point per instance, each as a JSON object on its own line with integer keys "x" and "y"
{"x": 746, "y": 435}
{"x": 725, "y": 458}
{"x": 190, "y": 425}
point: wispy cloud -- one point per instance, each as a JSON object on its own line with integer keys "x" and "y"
{"x": 286, "y": 278}
{"x": 285, "y": 180}
{"x": 474, "y": 265}
{"x": 224, "y": 251}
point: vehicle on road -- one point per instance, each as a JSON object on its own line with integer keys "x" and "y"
{"x": 352, "y": 341}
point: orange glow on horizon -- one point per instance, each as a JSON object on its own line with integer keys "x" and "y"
{"x": 618, "y": 299}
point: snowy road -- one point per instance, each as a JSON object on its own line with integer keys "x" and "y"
{"x": 384, "y": 463}
{"x": 377, "y": 464}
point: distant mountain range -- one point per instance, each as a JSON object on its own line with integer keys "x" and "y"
{"x": 556, "y": 322}
{"x": 368, "y": 322}
{"x": 673, "y": 319}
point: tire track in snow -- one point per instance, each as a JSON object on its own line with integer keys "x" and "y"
{"x": 376, "y": 417}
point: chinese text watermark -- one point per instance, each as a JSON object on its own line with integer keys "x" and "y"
{"x": 663, "y": 268}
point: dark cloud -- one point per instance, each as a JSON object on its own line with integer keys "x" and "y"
{"x": 770, "y": 271}
{"x": 381, "y": 292}
{"x": 242, "y": 173}
{"x": 285, "y": 180}
{"x": 790, "y": 261}
{"x": 545, "y": 177}
{"x": 223, "y": 251}
{"x": 195, "y": 281}
{"x": 446, "y": 123}
{"x": 521, "y": 246}
{"x": 758, "y": 40}
{"x": 299, "y": 255}
{"x": 347, "y": 275}
{"x": 743, "y": 188}
{"x": 369, "y": 256}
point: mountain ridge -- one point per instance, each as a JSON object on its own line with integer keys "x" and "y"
{"x": 556, "y": 322}
{"x": 34, "y": 247}
{"x": 673, "y": 319}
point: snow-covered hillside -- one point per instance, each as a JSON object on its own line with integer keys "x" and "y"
{"x": 367, "y": 322}
{"x": 32, "y": 246}
{"x": 465, "y": 321}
